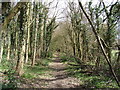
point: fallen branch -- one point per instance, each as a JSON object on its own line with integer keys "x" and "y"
{"x": 100, "y": 44}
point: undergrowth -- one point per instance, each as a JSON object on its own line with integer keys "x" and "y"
{"x": 88, "y": 78}
{"x": 93, "y": 81}
{"x": 9, "y": 79}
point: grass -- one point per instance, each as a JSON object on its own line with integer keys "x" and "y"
{"x": 29, "y": 72}
{"x": 43, "y": 62}
{"x": 39, "y": 69}
{"x": 89, "y": 80}
{"x": 10, "y": 81}
{"x": 92, "y": 80}
{"x": 97, "y": 81}
{"x": 33, "y": 72}
{"x": 70, "y": 59}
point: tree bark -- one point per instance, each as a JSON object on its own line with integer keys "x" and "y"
{"x": 1, "y": 51}
{"x": 19, "y": 69}
{"x": 9, "y": 44}
{"x": 22, "y": 42}
{"x": 28, "y": 31}
{"x": 36, "y": 31}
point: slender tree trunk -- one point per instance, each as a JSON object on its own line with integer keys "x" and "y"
{"x": 35, "y": 36}
{"x": 9, "y": 44}
{"x": 35, "y": 45}
{"x": 5, "y": 8}
{"x": 1, "y": 50}
{"x": 71, "y": 36}
{"x": 74, "y": 51}
{"x": 118, "y": 59}
{"x": 44, "y": 37}
{"x": 27, "y": 48}
{"x": 19, "y": 68}
{"x": 16, "y": 46}
{"x": 84, "y": 45}
{"x": 78, "y": 44}
{"x": 28, "y": 31}
{"x": 23, "y": 30}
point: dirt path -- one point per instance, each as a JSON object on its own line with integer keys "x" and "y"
{"x": 57, "y": 77}
{"x": 60, "y": 79}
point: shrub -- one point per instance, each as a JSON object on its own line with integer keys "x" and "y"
{"x": 10, "y": 81}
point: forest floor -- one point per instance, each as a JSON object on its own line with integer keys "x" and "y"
{"x": 55, "y": 77}
{"x": 56, "y": 73}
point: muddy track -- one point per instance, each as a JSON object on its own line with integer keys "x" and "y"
{"x": 57, "y": 77}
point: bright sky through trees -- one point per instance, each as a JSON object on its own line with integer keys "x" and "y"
{"x": 62, "y": 4}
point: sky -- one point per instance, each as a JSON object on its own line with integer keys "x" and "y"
{"x": 62, "y": 4}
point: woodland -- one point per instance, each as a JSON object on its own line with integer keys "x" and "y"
{"x": 80, "y": 50}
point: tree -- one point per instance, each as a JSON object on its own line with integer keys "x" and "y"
{"x": 22, "y": 42}
{"x": 100, "y": 44}
{"x": 7, "y": 18}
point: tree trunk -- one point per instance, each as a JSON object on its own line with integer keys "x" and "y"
{"x": 9, "y": 44}
{"x": 28, "y": 31}
{"x": 36, "y": 31}
{"x": 19, "y": 68}
{"x": 22, "y": 41}
{"x": 35, "y": 45}
{"x": 74, "y": 51}
{"x": 118, "y": 59}
{"x": 1, "y": 50}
